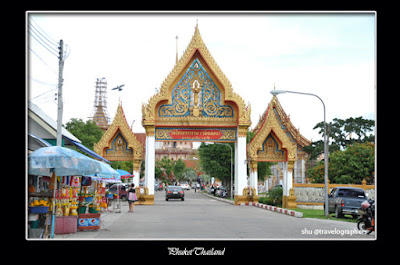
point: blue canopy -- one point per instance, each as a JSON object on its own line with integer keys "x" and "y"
{"x": 107, "y": 172}
{"x": 123, "y": 172}
{"x": 63, "y": 161}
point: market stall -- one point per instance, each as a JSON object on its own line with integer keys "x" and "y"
{"x": 39, "y": 202}
{"x": 67, "y": 165}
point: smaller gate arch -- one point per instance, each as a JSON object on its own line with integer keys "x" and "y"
{"x": 119, "y": 143}
{"x": 276, "y": 140}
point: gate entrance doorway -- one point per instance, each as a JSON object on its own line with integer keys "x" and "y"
{"x": 196, "y": 102}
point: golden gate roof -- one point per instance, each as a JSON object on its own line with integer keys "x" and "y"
{"x": 196, "y": 93}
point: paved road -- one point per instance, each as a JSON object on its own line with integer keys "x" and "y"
{"x": 200, "y": 217}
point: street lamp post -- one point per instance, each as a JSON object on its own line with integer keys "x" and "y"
{"x": 276, "y": 92}
{"x": 231, "y": 166}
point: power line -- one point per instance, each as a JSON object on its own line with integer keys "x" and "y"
{"x": 43, "y": 61}
{"x": 48, "y": 37}
{"x": 42, "y": 82}
{"x": 43, "y": 45}
{"x": 46, "y": 41}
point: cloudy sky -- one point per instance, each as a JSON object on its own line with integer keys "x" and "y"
{"x": 331, "y": 55}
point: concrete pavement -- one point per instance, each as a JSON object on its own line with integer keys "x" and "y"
{"x": 202, "y": 218}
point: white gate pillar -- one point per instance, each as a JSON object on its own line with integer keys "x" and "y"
{"x": 136, "y": 172}
{"x": 287, "y": 182}
{"x": 303, "y": 171}
{"x": 240, "y": 165}
{"x": 150, "y": 164}
{"x": 254, "y": 176}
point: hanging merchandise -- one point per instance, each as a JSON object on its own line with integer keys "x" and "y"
{"x": 66, "y": 199}
{"x": 74, "y": 203}
{"x": 75, "y": 182}
{"x": 59, "y": 211}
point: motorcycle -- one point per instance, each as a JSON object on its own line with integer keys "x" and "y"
{"x": 366, "y": 221}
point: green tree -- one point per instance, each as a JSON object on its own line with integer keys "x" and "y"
{"x": 342, "y": 133}
{"x": 157, "y": 172}
{"x": 88, "y": 132}
{"x": 215, "y": 160}
{"x": 124, "y": 165}
{"x": 166, "y": 165}
{"x": 352, "y": 165}
{"x": 190, "y": 174}
{"x": 179, "y": 168}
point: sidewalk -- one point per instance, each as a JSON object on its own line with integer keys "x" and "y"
{"x": 106, "y": 220}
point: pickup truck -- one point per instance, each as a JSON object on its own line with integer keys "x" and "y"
{"x": 345, "y": 200}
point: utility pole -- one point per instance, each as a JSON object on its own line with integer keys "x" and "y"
{"x": 60, "y": 102}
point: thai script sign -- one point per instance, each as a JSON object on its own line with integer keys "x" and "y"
{"x": 196, "y": 134}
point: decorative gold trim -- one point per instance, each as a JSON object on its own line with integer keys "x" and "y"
{"x": 239, "y": 199}
{"x": 120, "y": 124}
{"x": 253, "y": 166}
{"x": 268, "y": 124}
{"x": 196, "y": 46}
{"x": 136, "y": 165}
{"x": 242, "y": 132}
{"x": 290, "y": 166}
{"x": 274, "y": 119}
{"x": 291, "y": 200}
{"x": 150, "y": 130}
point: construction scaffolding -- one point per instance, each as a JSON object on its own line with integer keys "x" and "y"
{"x": 100, "y": 112}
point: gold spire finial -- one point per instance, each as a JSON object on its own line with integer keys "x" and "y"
{"x": 176, "y": 49}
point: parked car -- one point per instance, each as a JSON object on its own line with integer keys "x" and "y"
{"x": 123, "y": 190}
{"x": 174, "y": 192}
{"x": 345, "y": 200}
{"x": 185, "y": 185}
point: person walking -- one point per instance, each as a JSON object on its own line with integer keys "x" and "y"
{"x": 131, "y": 197}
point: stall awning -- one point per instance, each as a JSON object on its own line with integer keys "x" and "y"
{"x": 86, "y": 150}
{"x": 35, "y": 142}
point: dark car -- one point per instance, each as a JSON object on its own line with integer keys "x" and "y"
{"x": 345, "y": 200}
{"x": 174, "y": 192}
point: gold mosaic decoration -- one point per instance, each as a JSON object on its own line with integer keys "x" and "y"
{"x": 119, "y": 143}
{"x": 274, "y": 126}
{"x": 156, "y": 114}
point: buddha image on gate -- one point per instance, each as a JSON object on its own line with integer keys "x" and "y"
{"x": 196, "y": 95}
{"x": 271, "y": 149}
{"x": 119, "y": 147}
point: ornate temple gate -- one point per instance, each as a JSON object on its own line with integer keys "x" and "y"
{"x": 276, "y": 140}
{"x": 118, "y": 143}
{"x": 196, "y": 102}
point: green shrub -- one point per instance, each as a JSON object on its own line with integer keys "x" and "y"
{"x": 274, "y": 197}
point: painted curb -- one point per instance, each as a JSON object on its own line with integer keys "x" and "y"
{"x": 218, "y": 198}
{"x": 274, "y": 209}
